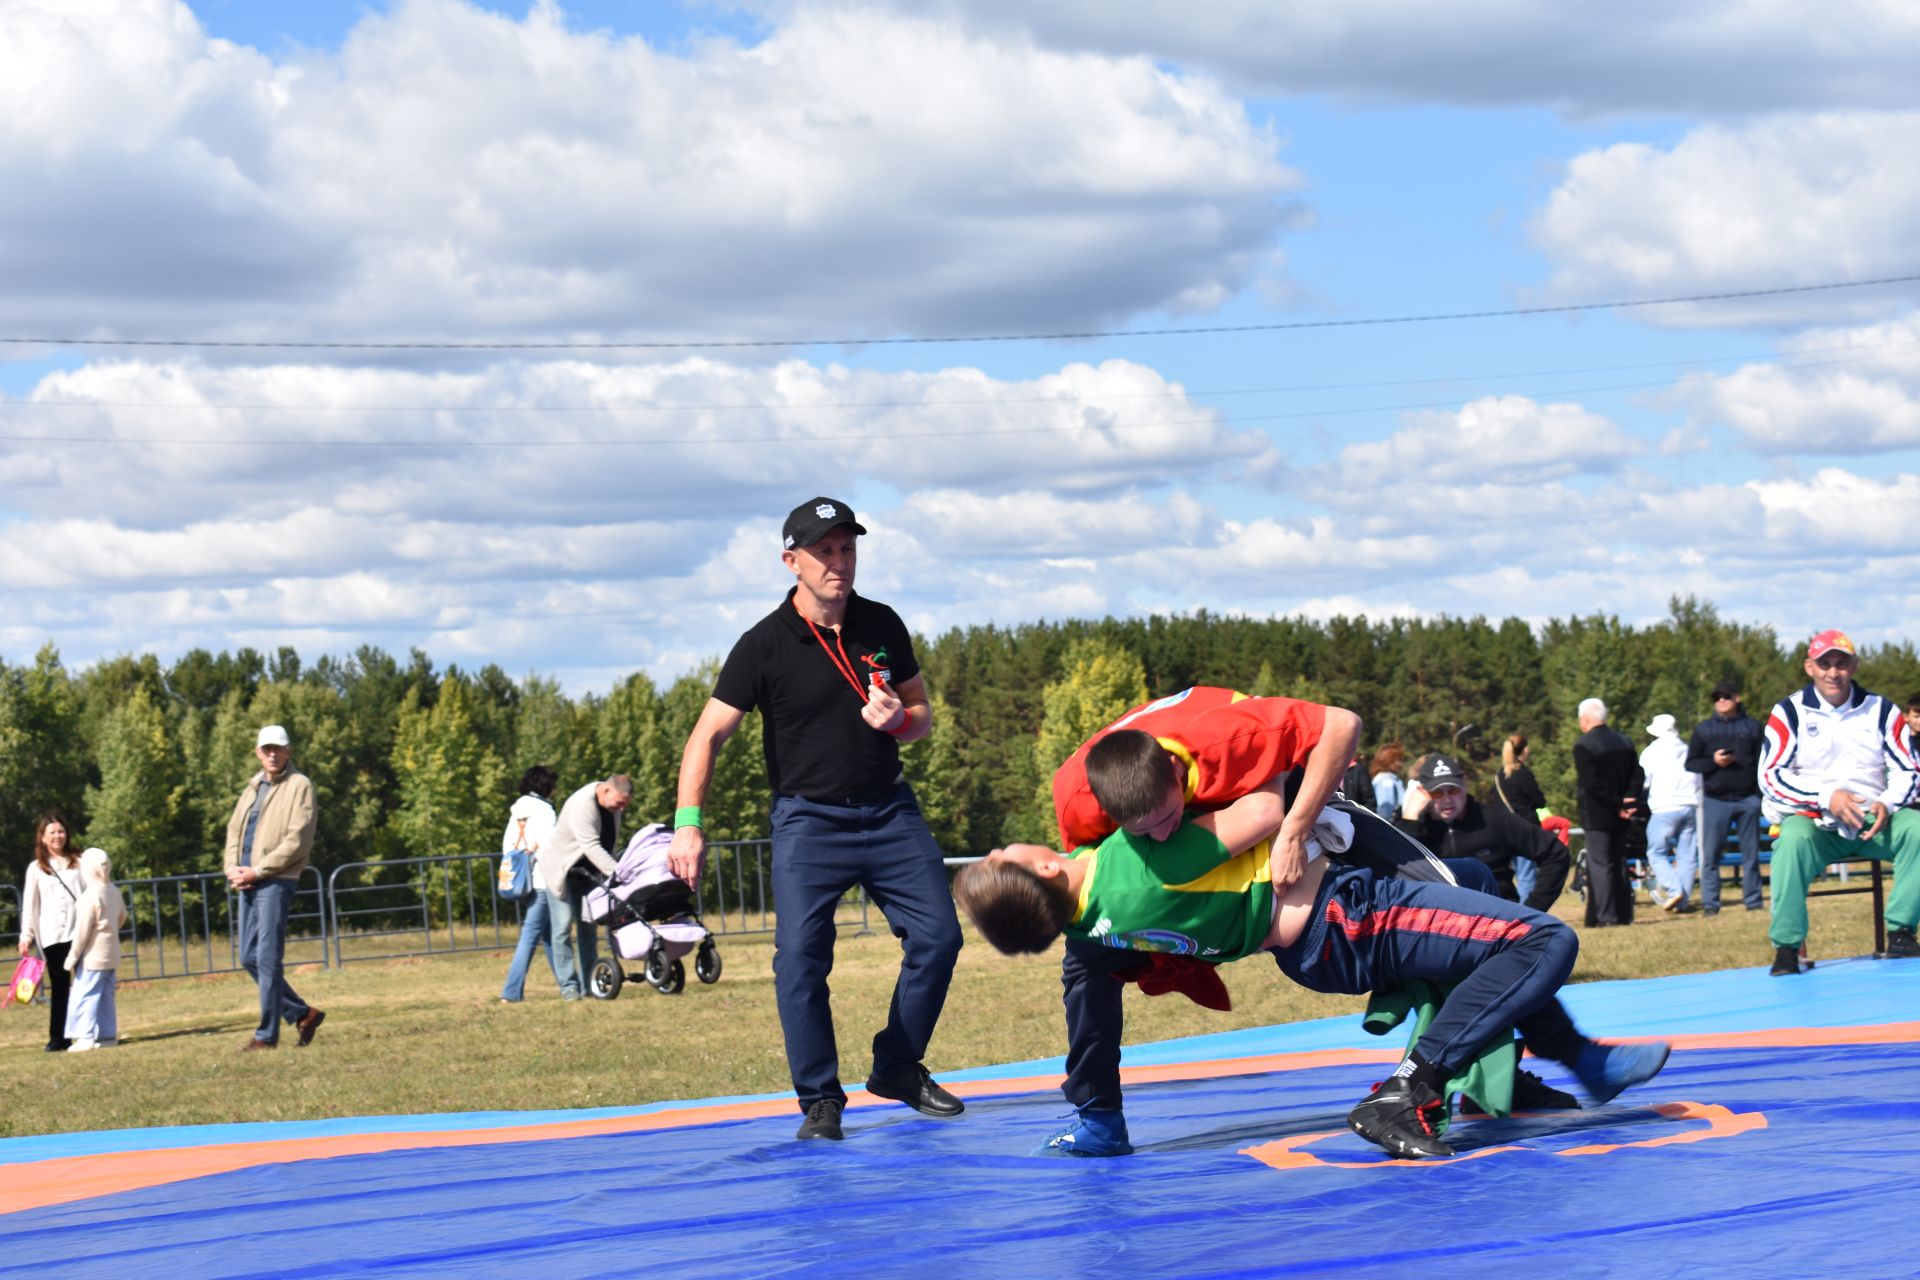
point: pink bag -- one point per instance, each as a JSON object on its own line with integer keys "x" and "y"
{"x": 25, "y": 981}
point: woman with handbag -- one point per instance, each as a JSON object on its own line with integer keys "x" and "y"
{"x": 48, "y": 898}
{"x": 529, "y": 823}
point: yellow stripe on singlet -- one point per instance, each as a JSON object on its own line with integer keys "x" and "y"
{"x": 1235, "y": 874}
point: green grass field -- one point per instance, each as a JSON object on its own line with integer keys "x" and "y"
{"x": 427, "y": 1035}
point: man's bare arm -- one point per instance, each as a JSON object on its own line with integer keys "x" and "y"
{"x": 1326, "y": 763}
{"x": 688, "y": 852}
{"x": 1252, "y": 818}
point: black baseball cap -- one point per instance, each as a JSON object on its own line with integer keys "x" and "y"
{"x": 1441, "y": 771}
{"x": 814, "y": 519}
{"x": 1726, "y": 689}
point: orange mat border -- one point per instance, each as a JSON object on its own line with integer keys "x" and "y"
{"x": 1721, "y": 1122}
{"x": 63, "y": 1180}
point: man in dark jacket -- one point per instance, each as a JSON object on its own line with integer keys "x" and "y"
{"x": 1725, "y": 752}
{"x": 1440, "y": 814}
{"x": 1610, "y": 785}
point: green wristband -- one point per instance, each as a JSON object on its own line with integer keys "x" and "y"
{"x": 687, "y": 815}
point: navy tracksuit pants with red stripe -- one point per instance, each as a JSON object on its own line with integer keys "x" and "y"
{"x": 1506, "y": 963}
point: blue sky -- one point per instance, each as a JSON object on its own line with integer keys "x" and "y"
{"x": 438, "y": 170}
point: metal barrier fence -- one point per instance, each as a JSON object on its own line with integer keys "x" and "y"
{"x": 182, "y": 925}
{"x": 178, "y": 926}
{"x": 736, "y": 887}
{"x": 433, "y": 906}
{"x": 735, "y": 893}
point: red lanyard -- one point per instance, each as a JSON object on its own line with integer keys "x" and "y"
{"x": 841, "y": 662}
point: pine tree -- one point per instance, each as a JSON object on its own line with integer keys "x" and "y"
{"x": 44, "y": 760}
{"x": 135, "y": 811}
{"x": 453, "y": 787}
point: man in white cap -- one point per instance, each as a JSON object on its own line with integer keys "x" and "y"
{"x": 1673, "y": 799}
{"x": 269, "y": 839}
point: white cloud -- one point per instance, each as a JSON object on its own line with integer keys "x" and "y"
{"x": 1637, "y": 55}
{"x": 1036, "y": 525}
{"x": 573, "y": 444}
{"x": 569, "y": 516}
{"x": 1787, "y": 200}
{"x": 453, "y": 172}
{"x": 1854, "y": 390}
{"x": 1492, "y": 440}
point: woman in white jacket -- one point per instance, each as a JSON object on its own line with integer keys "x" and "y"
{"x": 94, "y": 959}
{"x": 48, "y": 898}
{"x": 529, "y": 823}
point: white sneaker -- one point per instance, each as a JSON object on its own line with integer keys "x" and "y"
{"x": 81, "y": 1046}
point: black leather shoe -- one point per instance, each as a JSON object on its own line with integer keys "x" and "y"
{"x": 1902, "y": 945}
{"x": 1530, "y": 1093}
{"x": 823, "y": 1121}
{"x": 1786, "y": 960}
{"x": 915, "y": 1086}
{"x": 1395, "y": 1116}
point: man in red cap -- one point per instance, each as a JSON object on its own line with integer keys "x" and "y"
{"x": 1837, "y": 774}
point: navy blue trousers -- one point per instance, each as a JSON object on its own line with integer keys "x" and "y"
{"x": 1716, "y": 815}
{"x": 1506, "y": 962}
{"x": 820, "y": 851}
{"x": 1095, "y": 1019}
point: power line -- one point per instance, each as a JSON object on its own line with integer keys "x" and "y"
{"x": 1062, "y": 336}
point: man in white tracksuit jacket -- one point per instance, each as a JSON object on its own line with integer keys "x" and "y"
{"x": 1837, "y": 774}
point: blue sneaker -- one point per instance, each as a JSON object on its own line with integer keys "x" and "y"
{"x": 1092, "y": 1133}
{"x": 1605, "y": 1070}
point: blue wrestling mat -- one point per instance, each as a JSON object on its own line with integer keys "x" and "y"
{"x": 1780, "y": 1141}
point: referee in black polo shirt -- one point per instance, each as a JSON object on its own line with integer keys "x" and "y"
{"x": 835, "y": 679}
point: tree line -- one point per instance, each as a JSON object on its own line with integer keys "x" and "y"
{"x": 408, "y": 760}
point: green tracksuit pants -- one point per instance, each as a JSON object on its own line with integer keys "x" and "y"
{"x": 1803, "y": 850}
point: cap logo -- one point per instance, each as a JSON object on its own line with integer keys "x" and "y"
{"x": 1440, "y": 769}
{"x": 826, "y": 511}
{"x": 789, "y": 542}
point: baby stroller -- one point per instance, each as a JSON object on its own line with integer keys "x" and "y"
{"x": 648, "y": 914}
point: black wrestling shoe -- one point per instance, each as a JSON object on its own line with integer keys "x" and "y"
{"x": 916, "y": 1087}
{"x": 1786, "y": 960}
{"x": 1394, "y": 1116}
{"x": 1530, "y": 1093}
{"x": 1902, "y": 945}
{"x": 823, "y": 1121}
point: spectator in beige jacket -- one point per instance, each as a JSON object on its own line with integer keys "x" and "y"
{"x": 94, "y": 958}
{"x": 588, "y": 829}
{"x": 269, "y": 839}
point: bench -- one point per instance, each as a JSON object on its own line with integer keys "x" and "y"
{"x": 1730, "y": 859}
